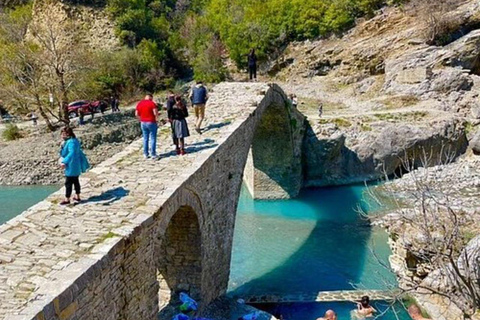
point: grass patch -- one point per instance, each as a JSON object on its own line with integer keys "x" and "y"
{"x": 336, "y": 86}
{"x": 308, "y": 104}
{"x": 108, "y": 236}
{"x": 400, "y": 102}
{"x": 340, "y": 122}
{"x": 11, "y": 132}
{"x": 469, "y": 127}
{"x": 365, "y": 127}
{"x": 394, "y": 117}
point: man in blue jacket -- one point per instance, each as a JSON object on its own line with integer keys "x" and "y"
{"x": 199, "y": 96}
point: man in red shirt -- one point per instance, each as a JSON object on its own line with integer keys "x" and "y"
{"x": 147, "y": 113}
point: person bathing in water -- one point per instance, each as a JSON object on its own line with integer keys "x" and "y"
{"x": 364, "y": 309}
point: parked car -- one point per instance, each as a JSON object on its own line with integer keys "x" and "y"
{"x": 86, "y": 106}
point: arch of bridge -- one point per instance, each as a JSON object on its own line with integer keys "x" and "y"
{"x": 139, "y": 231}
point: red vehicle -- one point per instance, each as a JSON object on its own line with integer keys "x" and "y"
{"x": 86, "y": 106}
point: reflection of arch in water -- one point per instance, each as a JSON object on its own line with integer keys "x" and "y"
{"x": 320, "y": 264}
{"x": 180, "y": 267}
{"x": 273, "y": 169}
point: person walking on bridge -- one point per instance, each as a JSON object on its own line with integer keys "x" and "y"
{"x": 147, "y": 113}
{"x": 176, "y": 116}
{"x": 199, "y": 96}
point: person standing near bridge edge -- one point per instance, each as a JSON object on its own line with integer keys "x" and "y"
{"x": 147, "y": 113}
{"x": 199, "y": 96}
{"x": 74, "y": 162}
{"x": 252, "y": 65}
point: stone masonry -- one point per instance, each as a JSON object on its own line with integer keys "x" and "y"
{"x": 147, "y": 229}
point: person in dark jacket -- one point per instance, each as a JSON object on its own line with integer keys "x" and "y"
{"x": 199, "y": 96}
{"x": 252, "y": 65}
{"x": 176, "y": 116}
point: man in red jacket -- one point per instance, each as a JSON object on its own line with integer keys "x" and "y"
{"x": 147, "y": 113}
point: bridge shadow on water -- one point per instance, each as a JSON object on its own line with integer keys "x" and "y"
{"x": 108, "y": 197}
{"x": 332, "y": 257}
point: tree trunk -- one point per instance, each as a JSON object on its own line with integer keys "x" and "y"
{"x": 64, "y": 97}
{"x": 50, "y": 126}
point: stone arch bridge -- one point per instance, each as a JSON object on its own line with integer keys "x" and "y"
{"x": 149, "y": 229}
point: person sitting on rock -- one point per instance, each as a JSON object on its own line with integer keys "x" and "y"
{"x": 329, "y": 315}
{"x": 415, "y": 313}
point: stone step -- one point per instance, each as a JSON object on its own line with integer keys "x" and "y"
{"x": 325, "y": 296}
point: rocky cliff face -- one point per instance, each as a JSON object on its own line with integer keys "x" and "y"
{"x": 352, "y": 155}
{"x": 89, "y": 17}
{"x": 387, "y": 95}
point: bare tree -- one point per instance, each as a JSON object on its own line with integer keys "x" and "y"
{"x": 40, "y": 58}
{"x": 63, "y": 56}
{"x": 433, "y": 231}
{"x": 439, "y": 24}
{"x": 21, "y": 66}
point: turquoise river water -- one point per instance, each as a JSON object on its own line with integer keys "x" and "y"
{"x": 317, "y": 242}
{"x": 14, "y": 200}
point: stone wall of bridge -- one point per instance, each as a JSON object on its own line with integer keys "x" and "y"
{"x": 147, "y": 229}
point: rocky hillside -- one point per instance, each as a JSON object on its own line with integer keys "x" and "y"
{"x": 386, "y": 94}
{"x": 89, "y": 18}
{"x": 34, "y": 160}
{"x": 394, "y": 101}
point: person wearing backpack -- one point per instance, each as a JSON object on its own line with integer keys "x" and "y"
{"x": 198, "y": 97}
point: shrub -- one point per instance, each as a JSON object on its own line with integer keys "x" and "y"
{"x": 11, "y": 132}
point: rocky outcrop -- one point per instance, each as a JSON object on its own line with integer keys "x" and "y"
{"x": 350, "y": 155}
{"x": 89, "y": 17}
{"x": 452, "y": 187}
{"x": 475, "y": 143}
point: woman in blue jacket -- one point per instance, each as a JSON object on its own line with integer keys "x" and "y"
{"x": 74, "y": 162}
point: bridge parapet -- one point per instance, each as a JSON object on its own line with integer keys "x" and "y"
{"x": 147, "y": 229}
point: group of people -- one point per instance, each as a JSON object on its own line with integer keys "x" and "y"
{"x": 364, "y": 310}
{"x": 74, "y": 162}
{"x": 177, "y": 112}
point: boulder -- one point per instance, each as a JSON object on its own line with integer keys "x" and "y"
{"x": 475, "y": 143}
{"x": 450, "y": 80}
{"x": 465, "y": 52}
{"x": 349, "y": 156}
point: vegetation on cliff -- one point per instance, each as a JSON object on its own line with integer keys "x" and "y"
{"x": 199, "y": 32}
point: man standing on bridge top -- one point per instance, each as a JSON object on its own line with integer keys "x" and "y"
{"x": 147, "y": 113}
{"x": 199, "y": 96}
{"x": 252, "y": 65}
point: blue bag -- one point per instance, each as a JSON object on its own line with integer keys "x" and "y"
{"x": 181, "y": 316}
